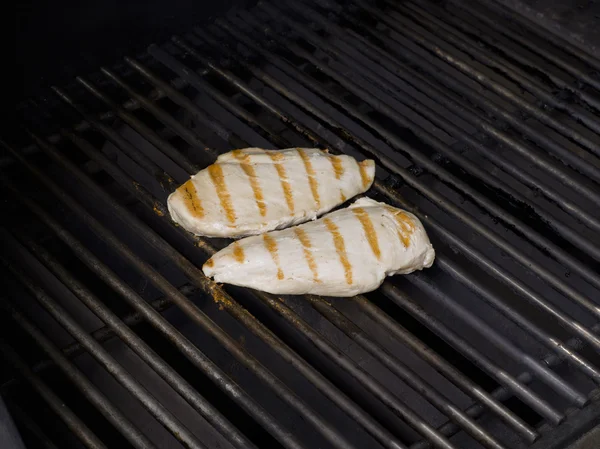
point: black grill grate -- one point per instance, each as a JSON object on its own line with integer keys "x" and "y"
{"x": 480, "y": 124}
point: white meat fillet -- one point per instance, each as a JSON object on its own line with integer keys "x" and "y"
{"x": 251, "y": 191}
{"x": 347, "y": 252}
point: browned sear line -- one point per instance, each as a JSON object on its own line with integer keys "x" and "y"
{"x": 191, "y": 200}
{"x": 238, "y": 252}
{"x": 216, "y": 174}
{"x": 340, "y": 247}
{"x": 405, "y": 223}
{"x": 369, "y": 229}
{"x": 338, "y": 171}
{"x": 338, "y": 166}
{"x": 364, "y": 175}
{"x": 307, "y": 248}
{"x": 209, "y": 263}
{"x": 244, "y": 159}
{"x": 312, "y": 176}
{"x": 271, "y": 245}
{"x": 285, "y": 184}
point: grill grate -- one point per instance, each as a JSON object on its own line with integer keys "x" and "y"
{"x": 480, "y": 124}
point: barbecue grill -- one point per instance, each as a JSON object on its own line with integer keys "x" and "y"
{"x": 483, "y": 123}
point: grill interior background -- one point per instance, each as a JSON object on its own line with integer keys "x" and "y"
{"x": 481, "y": 124}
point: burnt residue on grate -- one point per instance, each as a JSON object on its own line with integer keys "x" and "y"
{"x": 113, "y": 337}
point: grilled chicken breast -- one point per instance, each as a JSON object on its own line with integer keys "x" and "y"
{"x": 252, "y": 191}
{"x": 345, "y": 253}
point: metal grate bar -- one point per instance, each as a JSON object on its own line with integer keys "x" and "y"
{"x": 128, "y": 183}
{"x": 78, "y": 427}
{"x": 87, "y": 388}
{"x": 130, "y": 105}
{"x": 549, "y": 377}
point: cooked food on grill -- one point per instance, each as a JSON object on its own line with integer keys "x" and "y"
{"x": 345, "y": 253}
{"x": 252, "y": 191}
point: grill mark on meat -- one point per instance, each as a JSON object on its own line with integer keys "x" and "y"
{"x": 238, "y": 252}
{"x": 277, "y": 158}
{"x": 338, "y": 170}
{"x": 254, "y": 184}
{"x": 216, "y": 175}
{"x": 340, "y": 247}
{"x": 271, "y": 245}
{"x": 338, "y": 166}
{"x": 405, "y": 223}
{"x": 312, "y": 176}
{"x": 190, "y": 198}
{"x": 364, "y": 175}
{"x": 369, "y": 229}
{"x": 307, "y": 248}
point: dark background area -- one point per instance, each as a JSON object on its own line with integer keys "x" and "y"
{"x": 58, "y": 40}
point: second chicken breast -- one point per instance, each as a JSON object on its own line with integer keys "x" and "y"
{"x": 347, "y": 252}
